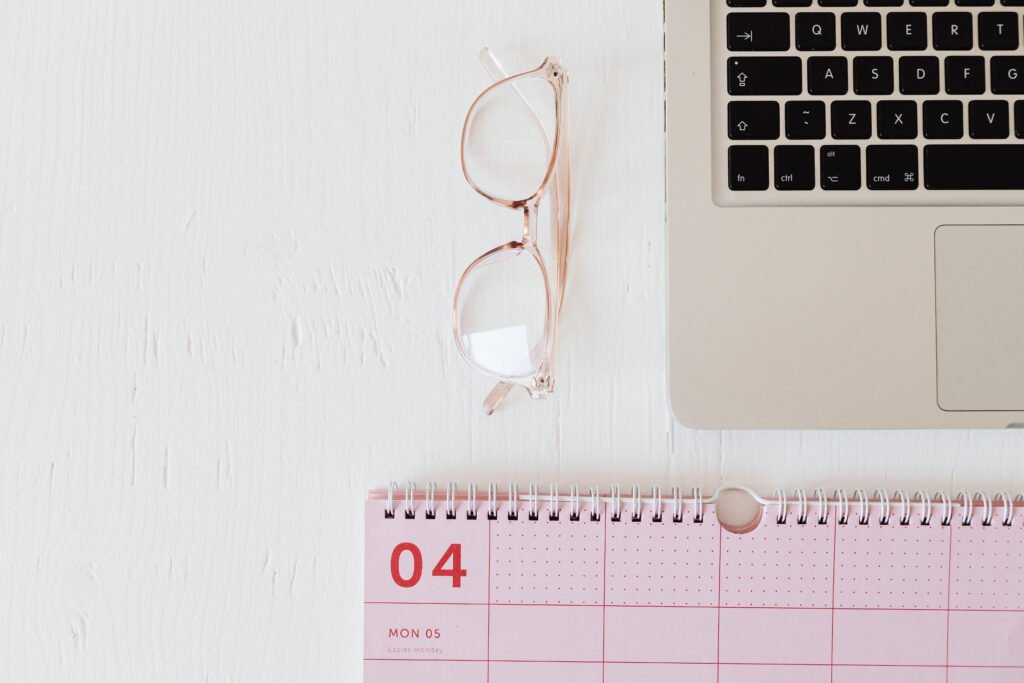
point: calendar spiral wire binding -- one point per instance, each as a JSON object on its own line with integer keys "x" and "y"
{"x": 897, "y": 508}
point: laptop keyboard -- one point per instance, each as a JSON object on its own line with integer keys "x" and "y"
{"x": 873, "y": 96}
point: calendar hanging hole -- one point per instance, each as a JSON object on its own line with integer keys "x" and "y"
{"x": 738, "y": 512}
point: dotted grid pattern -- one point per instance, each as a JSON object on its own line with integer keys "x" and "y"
{"x": 652, "y": 563}
{"x": 892, "y": 566}
{"x": 995, "y": 546}
{"x": 626, "y": 600}
{"x": 544, "y": 562}
{"x": 778, "y": 565}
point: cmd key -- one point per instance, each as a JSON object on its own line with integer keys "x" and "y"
{"x": 761, "y": 76}
{"x": 892, "y": 167}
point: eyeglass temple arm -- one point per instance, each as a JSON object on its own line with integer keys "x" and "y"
{"x": 500, "y": 391}
{"x": 497, "y": 72}
{"x": 496, "y": 396}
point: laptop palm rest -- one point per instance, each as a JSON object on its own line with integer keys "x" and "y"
{"x": 979, "y": 306}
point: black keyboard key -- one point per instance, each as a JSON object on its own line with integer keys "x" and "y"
{"x": 837, "y": 3}
{"x": 907, "y": 30}
{"x": 974, "y": 167}
{"x": 1018, "y": 118}
{"x": 840, "y": 167}
{"x": 805, "y": 120}
{"x": 828, "y": 75}
{"x": 765, "y": 76}
{"x": 791, "y": 3}
{"x": 943, "y": 119}
{"x": 862, "y": 31}
{"x": 815, "y": 31}
{"x": 919, "y": 75}
{"x": 794, "y": 167}
{"x": 998, "y": 31}
{"x": 975, "y": 3}
{"x": 892, "y": 167}
{"x": 1007, "y": 75}
{"x": 757, "y": 31}
{"x": 897, "y": 120}
{"x": 872, "y": 75}
{"x": 988, "y": 119}
{"x": 851, "y": 120}
{"x": 952, "y": 31}
{"x": 748, "y": 168}
{"x": 883, "y": 3}
{"x": 929, "y": 3}
{"x": 965, "y": 75}
{"x": 747, "y": 3}
{"x": 750, "y": 120}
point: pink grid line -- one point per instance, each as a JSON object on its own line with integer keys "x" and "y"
{"x": 604, "y": 591}
{"x": 775, "y": 608}
{"x": 718, "y": 600}
{"x": 968, "y": 667}
{"x": 832, "y": 635}
{"x": 488, "y": 600}
{"x": 949, "y": 594}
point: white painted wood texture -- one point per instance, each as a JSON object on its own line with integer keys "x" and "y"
{"x": 229, "y": 234}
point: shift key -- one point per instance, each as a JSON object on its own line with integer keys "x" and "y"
{"x": 765, "y": 76}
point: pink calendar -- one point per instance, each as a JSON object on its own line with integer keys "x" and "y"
{"x": 610, "y": 587}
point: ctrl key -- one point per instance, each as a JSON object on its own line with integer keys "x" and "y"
{"x": 892, "y": 167}
{"x": 748, "y": 168}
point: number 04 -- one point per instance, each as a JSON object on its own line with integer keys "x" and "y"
{"x": 452, "y": 556}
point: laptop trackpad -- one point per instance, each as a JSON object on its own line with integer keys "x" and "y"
{"x": 979, "y": 299}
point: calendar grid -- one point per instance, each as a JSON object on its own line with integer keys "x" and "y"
{"x": 543, "y": 584}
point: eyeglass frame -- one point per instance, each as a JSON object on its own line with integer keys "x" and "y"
{"x": 541, "y": 382}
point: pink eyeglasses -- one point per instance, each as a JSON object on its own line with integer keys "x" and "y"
{"x": 515, "y": 152}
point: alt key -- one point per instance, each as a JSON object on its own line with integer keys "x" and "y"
{"x": 840, "y": 167}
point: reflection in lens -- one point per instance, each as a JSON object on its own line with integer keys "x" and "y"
{"x": 508, "y": 138}
{"x": 500, "y": 314}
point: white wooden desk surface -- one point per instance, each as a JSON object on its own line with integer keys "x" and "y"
{"x": 229, "y": 234}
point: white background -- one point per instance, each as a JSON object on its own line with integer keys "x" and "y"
{"x": 229, "y": 233}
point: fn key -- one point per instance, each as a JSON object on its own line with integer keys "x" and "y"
{"x": 748, "y": 168}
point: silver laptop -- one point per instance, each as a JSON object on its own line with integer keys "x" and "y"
{"x": 845, "y": 183}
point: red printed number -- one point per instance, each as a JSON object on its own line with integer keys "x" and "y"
{"x": 417, "y": 565}
{"x": 451, "y": 556}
